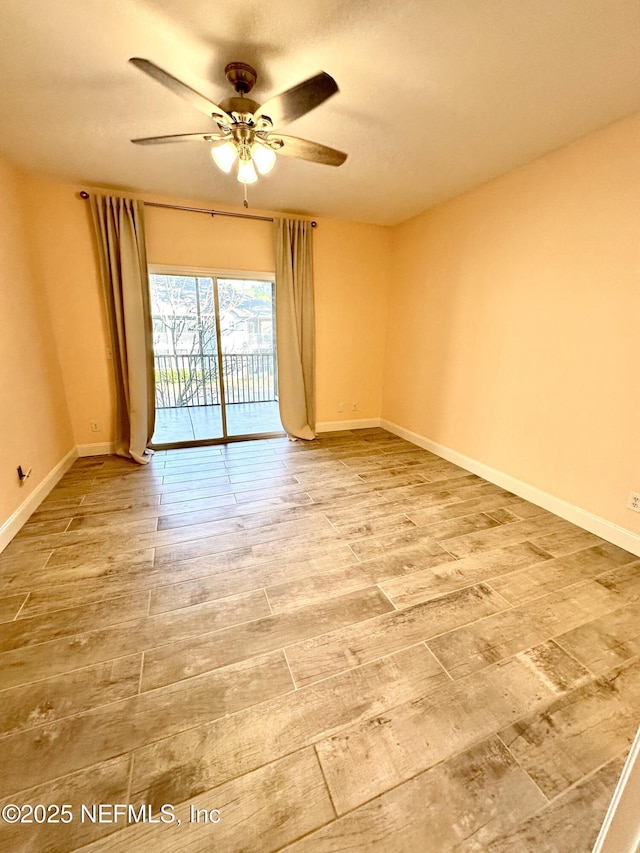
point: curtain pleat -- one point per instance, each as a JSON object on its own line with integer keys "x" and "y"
{"x": 119, "y": 228}
{"x": 295, "y": 327}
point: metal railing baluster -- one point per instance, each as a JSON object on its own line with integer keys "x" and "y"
{"x": 191, "y": 380}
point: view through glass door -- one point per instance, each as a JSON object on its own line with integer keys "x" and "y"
{"x": 215, "y": 357}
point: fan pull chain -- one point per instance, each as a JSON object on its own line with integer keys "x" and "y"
{"x": 246, "y": 203}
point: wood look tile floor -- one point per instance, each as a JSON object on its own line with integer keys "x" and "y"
{"x": 350, "y": 644}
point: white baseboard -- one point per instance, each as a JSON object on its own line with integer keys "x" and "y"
{"x": 619, "y": 536}
{"x": 102, "y": 449}
{"x": 333, "y": 426}
{"x": 15, "y": 521}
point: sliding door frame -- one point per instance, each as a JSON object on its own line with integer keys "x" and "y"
{"x": 215, "y": 274}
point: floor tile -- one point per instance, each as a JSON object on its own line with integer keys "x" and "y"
{"x": 337, "y": 581}
{"x": 42, "y": 578}
{"x": 567, "y": 542}
{"x": 535, "y": 581}
{"x": 256, "y": 575}
{"x": 496, "y": 637}
{"x": 184, "y": 659}
{"x": 463, "y": 803}
{"x": 31, "y": 630}
{"x": 571, "y": 823}
{"x": 33, "y": 663}
{"x": 10, "y": 606}
{"x": 106, "y": 783}
{"x": 55, "y": 749}
{"x": 302, "y": 804}
{"x": 446, "y": 576}
{"x": 391, "y": 747}
{"x": 504, "y": 534}
{"x": 32, "y": 705}
{"x": 606, "y": 642}
{"x": 354, "y": 645}
{"x": 247, "y": 740}
{"x": 577, "y": 733}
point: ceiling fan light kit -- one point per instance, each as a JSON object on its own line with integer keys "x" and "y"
{"x": 244, "y": 137}
{"x": 263, "y": 157}
{"x": 246, "y": 171}
{"x": 224, "y": 155}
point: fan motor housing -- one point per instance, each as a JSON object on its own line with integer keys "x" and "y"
{"x": 241, "y": 76}
{"x": 239, "y": 105}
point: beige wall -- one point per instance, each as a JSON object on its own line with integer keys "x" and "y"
{"x": 68, "y": 267}
{"x": 351, "y": 275}
{"x": 178, "y": 238}
{"x": 515, "y": 320}
{"x": 351, "y": 265}
{"x": 34, "y": 423}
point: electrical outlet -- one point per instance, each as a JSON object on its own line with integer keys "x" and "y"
{"x": 634, "y": 501}
{"x": 341, "y": 407}
{"x": 95, "y": 426}
{"x": 354, "y": 407}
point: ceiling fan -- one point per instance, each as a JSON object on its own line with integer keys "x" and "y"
{"x": 244, "y": 132}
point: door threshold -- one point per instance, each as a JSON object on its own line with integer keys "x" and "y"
{"x": 212, "y": 442}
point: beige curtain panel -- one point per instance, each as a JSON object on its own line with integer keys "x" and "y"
{"x": 295, "y": 327}
{"x": 119, "y": 227}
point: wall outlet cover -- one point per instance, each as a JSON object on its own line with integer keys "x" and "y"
{"x": 634, "y": 501}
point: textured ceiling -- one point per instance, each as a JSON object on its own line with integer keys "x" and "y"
{"x": 435, "y": 96}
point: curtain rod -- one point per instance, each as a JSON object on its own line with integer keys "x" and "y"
{"x": 211, "y": 212}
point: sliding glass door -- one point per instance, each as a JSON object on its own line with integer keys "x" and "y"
{"x": 248, "y": 347}
{"x": 215, "y": 357}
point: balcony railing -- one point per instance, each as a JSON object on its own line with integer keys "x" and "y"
{"x": 192, "y": 380}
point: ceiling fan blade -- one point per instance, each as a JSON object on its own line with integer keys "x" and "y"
{"x": 179, "y": 88}
{"x": 179, "y": 137}
{"x": 300, "y": 99}
{"x": 306, "y": 150}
